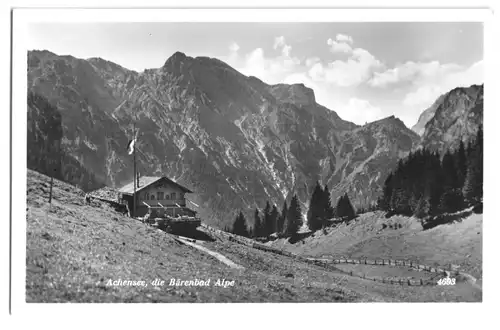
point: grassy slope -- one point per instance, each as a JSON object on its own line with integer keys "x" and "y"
{"x": 314, "y": 277}
{"x": 458, "y": 244}
{"x": 77, "y": 248}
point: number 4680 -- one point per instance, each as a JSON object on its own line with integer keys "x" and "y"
{"x": 446, "y": 281}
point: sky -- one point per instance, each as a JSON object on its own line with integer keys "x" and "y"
{"x": 363, "y": 71}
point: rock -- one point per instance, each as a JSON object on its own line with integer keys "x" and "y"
{"x": 235, "y": 140}
{"x": 457, "y": 116}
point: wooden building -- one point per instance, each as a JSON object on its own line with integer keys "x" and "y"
{"x": 156, "y": 192}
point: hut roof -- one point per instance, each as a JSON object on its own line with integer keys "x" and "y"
{"x": 146, "y": 181}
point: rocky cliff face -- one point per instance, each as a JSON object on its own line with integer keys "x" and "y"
{"x": 427, "y": 115}
{"x": 457, "y": 116}
{"x": 233, "y": 139}
{"x": 368, "y": 154}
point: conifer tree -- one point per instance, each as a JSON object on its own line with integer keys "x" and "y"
{"x": 240, "y": 225}
{"x": 450, "y": 176}
{"x": 422, "y": 208}
{"x": 266, "y": 220}
{"x": 282, "y": 217}
{"x": 344, "y": 208}
{"x": 274, "y": 219}
{"x": 329, "y": 212}
{"x": 293, "y": 217}
{"x": 257, "y": 225}
{"x": 316, "y": 211}
{"x": 461, "y": 164}
{"x": 384, "y": 202}
{"x": 451, "y": 198}
{"x": 473, "y": 185}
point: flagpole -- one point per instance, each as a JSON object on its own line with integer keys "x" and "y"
{"x": 135, "y": 176}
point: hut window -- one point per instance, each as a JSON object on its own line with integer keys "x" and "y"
{"x": 172, "y": 195}
{"x": 167, "y": 196}
{"x": 152, "y": 197}
{"x": 147, "y": 196}
{"x": 160, "y": 195}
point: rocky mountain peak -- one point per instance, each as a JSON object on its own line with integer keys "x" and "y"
{"x": 175, "y": 62}
{"x": 237, "y": 141}
{"x": 107, "y": 66}
{"x": 427, "y": 115}
{"x": 457, "y": 117}
{"x": 388, "y": 122}
{"x": 295, "y": 93}
{"x": 178, "y": 57}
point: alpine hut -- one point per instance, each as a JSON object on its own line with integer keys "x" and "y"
{"x": 156, "y": 192}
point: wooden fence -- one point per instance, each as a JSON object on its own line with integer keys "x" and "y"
{"x": 329, "y": 263}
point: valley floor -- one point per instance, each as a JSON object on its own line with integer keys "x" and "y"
{"x": 75, "y": 249}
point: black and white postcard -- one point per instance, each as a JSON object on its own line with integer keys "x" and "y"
{"x": 249, "y": 156}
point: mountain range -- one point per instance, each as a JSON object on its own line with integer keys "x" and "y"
{"x": 233, "y": 139}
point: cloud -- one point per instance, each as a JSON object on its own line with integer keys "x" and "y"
{"x": 360, "y": 111}
{"x": 442, "y": 81}
{"x": 234, "y": 47}
{"x": 353, "y": 109}
{"x": 338, "y": 47}
{"x": 414, "y": 72}
{"x": 340, "y": 44}
{"x": 358, "y": 68}
{"x": 269, "y": 69}
{"x": 279, "y": 42}
{"x": 312, "y": 60}
{"x": 345, "y": 38}
{"x": 317, "y": 72}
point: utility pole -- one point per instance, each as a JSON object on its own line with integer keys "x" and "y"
{"x": 135, "y": 175}
{"x": 51, "y": 184}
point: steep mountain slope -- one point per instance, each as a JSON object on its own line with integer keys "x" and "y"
{"x": 233, "y": 139}
{"x": 368, "y": 155}
{"x": 44, "y": 151}
{"x": 457, "y": 117}
{"x": 427, "y": 115}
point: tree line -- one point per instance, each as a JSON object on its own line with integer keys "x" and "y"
{"x": 423, "y": 184}
{"x": 426, "y": 184}
{"x": 287, "y": 222}
{"x": 321, "y": 211}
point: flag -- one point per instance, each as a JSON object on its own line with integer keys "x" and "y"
{"x": 193, "y": 203}
{"x": 130, "y": 146}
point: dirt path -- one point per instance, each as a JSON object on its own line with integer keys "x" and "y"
{"x": 216, "y": 255}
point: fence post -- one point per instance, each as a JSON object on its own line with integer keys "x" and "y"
{"x": 421, "y": 282}
{"x": 409, "y": 283}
